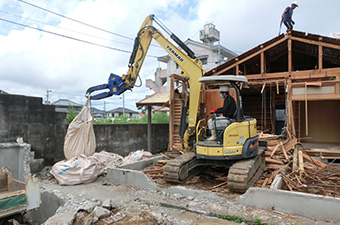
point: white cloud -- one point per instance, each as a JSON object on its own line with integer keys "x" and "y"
{"x": 32, "y": 62}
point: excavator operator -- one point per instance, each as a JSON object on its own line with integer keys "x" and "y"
{"x": 228, "y": 111}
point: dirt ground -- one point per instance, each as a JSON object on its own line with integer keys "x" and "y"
{"x": 157, "y": 206}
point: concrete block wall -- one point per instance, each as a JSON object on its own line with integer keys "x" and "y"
{"x": 44, "y": 129}
{"x": 39, "y": 125}
{"x": 125, "y": 138}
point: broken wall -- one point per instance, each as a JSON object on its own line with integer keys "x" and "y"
{"x": 39, "y": 125}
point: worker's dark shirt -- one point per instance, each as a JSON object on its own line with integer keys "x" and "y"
{"x": 288, "y": 15}
{"x": 229, "y": 107}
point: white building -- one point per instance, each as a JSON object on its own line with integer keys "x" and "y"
{"x": 210, "y": 55}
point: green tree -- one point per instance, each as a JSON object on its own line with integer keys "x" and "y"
{"x": 71, "y": 114}
{"x": 160, "y": 117}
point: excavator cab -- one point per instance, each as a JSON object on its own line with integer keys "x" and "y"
{"x": 236, "y": 137}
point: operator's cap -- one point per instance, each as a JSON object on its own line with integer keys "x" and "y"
{"x": 224, "y": 88}
{"x": 295, "y": 3}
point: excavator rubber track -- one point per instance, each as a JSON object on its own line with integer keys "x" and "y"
{"x": 244, "y": 173}
{"x": 178, "y": 170}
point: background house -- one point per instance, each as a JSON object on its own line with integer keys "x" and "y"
{"x": 63, "y": 105}
{"x": 120, "y": 111}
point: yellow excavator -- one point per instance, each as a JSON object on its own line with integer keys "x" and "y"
{"x": 237, "y": 144}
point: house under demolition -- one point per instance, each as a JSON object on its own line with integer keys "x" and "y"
{"x": 294, "y": 82}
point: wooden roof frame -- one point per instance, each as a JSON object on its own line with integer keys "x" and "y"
{"x": 326, "y": 77}
{"x": 319, "y": 72}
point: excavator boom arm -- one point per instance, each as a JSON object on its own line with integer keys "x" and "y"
{"x": 191, "y": 69}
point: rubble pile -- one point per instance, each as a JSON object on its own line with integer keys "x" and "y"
{"x": 299, "y": 171}
{"x": 286, "y": 158}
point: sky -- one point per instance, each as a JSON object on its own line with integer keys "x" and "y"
{"x": 37, "y": 63}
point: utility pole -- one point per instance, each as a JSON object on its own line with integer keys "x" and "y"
{"x": 123, "y": 105}
{"x": 47, "y": 96}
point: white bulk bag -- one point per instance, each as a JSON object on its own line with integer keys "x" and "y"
{"x": 78, "y": 170}
{"x": 80, "y": 137}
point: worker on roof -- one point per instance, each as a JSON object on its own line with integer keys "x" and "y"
{"x": 288, "y": 14}
{"x": 228, "y": 111}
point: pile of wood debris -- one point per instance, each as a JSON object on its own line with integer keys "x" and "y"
{"x": 212, "y": 179}
{"x": 285, "y": 157}
{"x": 300, "y": 172}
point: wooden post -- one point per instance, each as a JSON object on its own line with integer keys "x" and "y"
{"x": 289, "y": 105}
{"x": 290, "y": 63}
{"x": 265, "y": 109}
{"x": 149, "y": 129}
{"x": 306, "y": 108}
{"x": 299, "y": 118}
{"x": 262, "y": 63}
{"x": 273, "y": 110}
{"x": 320, "y": 57}
{"x": 337, "y": 87}
{"x": 237, "y": 69}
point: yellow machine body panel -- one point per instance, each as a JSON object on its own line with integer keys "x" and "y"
{"x": 234, "y": 138}
{"x": 252, "y": 128}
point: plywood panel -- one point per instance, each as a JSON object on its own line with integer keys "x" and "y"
{"x": 314, "y": 90}
{"x": 323, "y": 121}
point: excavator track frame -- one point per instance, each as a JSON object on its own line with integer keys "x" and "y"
{"x": 242, "y": 173}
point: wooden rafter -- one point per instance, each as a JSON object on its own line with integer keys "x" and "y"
{"x": 238, "y": 62}
{"x": 323, "y": 44}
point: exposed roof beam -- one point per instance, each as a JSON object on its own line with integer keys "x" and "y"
{"x": 315, "y": 42}
{"x": 251, "y": 56}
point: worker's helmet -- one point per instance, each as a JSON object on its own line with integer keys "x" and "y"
{"x": 224, "y": 88}
{"x": 295, "y": 3}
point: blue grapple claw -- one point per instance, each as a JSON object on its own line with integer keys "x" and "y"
{"x": 115, "y": 85}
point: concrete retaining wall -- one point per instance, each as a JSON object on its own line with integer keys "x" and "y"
{"x": 44, "y": 129}
{"x": 296, "y": 203}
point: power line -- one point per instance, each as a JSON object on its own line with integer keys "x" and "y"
{"x": 62, "y": 28}
{"x": 86, "y": 24}
{"x": 74, "y": 20}
{"x": 68, "y": 37}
